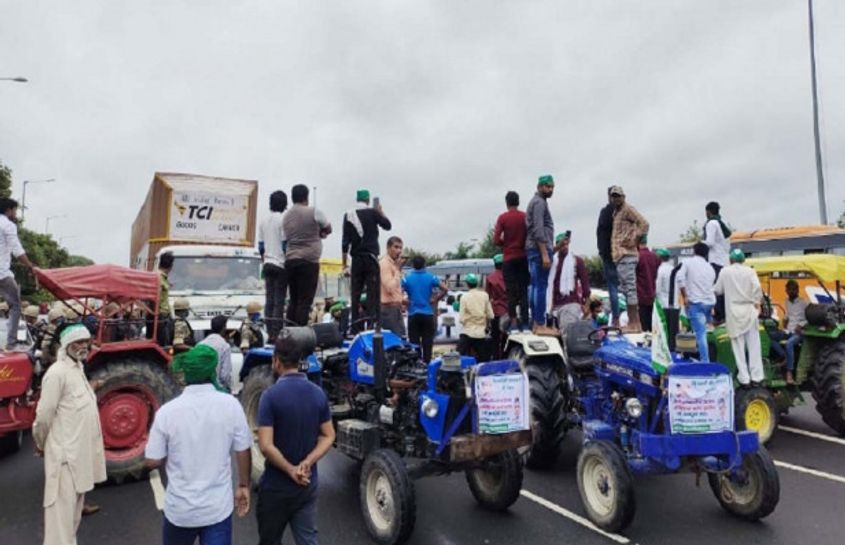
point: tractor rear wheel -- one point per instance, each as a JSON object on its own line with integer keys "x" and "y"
{"x": 11, "y": 442}
{"x": 756, "y": 410}
{"x": 548, "y": 420}
{"x": 132, "y": 391}
{"x": 754, "y": 492}
{"x": 387, "y": 498}
{"x": 606, "y": 486}
{"x": 829, "y": 385}
{"x": 259, "y": 379}
{"x": 496, "y": 486}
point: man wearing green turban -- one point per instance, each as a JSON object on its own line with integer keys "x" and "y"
{"x": 199, "y": 366}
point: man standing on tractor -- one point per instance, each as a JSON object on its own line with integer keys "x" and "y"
{"x": 10, "y": 245}
{"x": 570, "y": 284}
{"x": 510, "y": 234}
{"x": 628, "y": 227}
{"x": 604, "y": 238}
{"x": 475, "y": 313}
{"x": 497, "y": 290}
{"x": 664, "y": 278}
{"x": 360, "y": 240}
{"x": 67, "y": 434}
{"x": 271, "y": 246}
{"x": 392, "y": 298}
{"x": 420, "y": 285}
{"x": 741, "y": 288}
{"x": 165, "y": 323}
{"x": 541, "y": 233}
{"x": 646, "y": 282}
{"x": 695, "y": 281}
{"x": 717, "y": 238}
{"x": 251, "y": 335}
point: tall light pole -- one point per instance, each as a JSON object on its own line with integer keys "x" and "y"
{"x": 819, "y": 173}
{"x": 19, "y": 80}
{"x": 47, "y": 223}
{"x": 23, "y": 198}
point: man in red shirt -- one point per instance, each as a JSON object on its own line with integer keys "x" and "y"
{"x": 499, "y": 299}
{"x": 646, "y": 282}
{"x": 510, "y": 234}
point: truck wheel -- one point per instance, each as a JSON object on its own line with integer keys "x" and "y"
{"x": 828, "y": 387}
{"x": 259, "y": 379}
{"x": 548, "y": 421}
{"x": 606, "y": 486}
{"x": 751, "y": 494}
{"x": 496, "y": 486}
{"x": 11, "y": 442}
{"x": 756, "y": 411}
{"x": 387, "y": 497}
{"x": 133, "y": 389}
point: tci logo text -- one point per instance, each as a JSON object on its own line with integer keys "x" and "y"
{"x": 200, "y": 212}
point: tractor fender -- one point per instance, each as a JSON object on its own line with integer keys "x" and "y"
{"x": 148, "y": 350}
{"x": 535, "y": 345}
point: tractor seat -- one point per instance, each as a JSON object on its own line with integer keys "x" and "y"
{"x": 579, "y": 348}
{"x": 328, "y": 335}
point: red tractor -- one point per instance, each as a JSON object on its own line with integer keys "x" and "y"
{"x": 133, "y": 372}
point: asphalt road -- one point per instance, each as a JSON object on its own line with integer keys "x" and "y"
{"x": 670, "y": 509}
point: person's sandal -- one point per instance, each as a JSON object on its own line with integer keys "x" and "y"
{"x": 89, "y": 509}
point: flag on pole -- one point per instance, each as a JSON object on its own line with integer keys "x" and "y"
{"x": 661, "y": 357}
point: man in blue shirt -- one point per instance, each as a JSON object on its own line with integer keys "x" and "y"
{"x": 294, "y": 431}
{"x": 420, "y": 285}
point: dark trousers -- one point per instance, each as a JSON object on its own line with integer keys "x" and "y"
{"x": 517, "y": 280}
{"x": 164, "y": 333}
{"x": 645, "y": 315}
{"x": 365, "y": 274}
{"x": 214, "y": 534}
{"x": 719, "y": 307}
{"x": 302, "y": 279}
{"x": 276, "y": 509}
{"x": 421, "y": 332}
{"x": 497, "y": 338}
{"x": 275, "y": 286}
{"x": 392, "y": 319}
{"x": 477, "y": 348}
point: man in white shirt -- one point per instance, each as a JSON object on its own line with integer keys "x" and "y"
{"x": 219, "y": 342}
{"x": 271, "y": 246}
{"x": 195, "y": 435}
{"x": 695, "y": 280}
{"x": 664, "y": 278}
{"x": 475, "y": 313}
{"x": 10, "y": 245}
{"x": 717, "y": 237}
{"x": 741, "y": 288}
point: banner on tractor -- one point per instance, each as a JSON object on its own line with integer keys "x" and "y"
{"x": 661, "y": 356}
{"x": 502, "y": 402}
{"x": 701, "y": 404}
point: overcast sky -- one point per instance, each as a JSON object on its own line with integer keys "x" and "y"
{"x": 438, "y": 107}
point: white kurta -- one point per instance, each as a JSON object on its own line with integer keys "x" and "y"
{"x": 741, "y": 288}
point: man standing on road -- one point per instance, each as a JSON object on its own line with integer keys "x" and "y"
{"x": 360, "y": 240}
{"x": 194, "y": 436}
{"x": 475, "y": 313}
{"x": 10, "y": 245}
{"x": 218, "y": 340}
{"x": 741, "y": 288}
{"x": 604, "y": 237}
{"x": 304, "y": 227}
{"x": 392, "y": 298}
{"x": 570, "y": 289}
{"x": 646, "y": 282}
{"x": 510, "y": 234}
{"x": 695, "y": 281}
{"x": 717, "y": 238}
{"x": 67, "y": 433}
{"x": 496, "y": 289}
{"x": 294, "y": 431}
{"x": 271, "y": 246}
{"x": 420, "y": 285}
{"x": 628, "y": 227}
{"x": 541, "y": 233}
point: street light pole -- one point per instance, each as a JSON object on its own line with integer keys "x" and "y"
{"x": 816, "y": 135}
{"x": 47, "y": 223}
{"x": 18, "y": 79}
{"x": 23, "y": 197}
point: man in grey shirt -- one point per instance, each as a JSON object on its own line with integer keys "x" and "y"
{"x": 538, "y": 247}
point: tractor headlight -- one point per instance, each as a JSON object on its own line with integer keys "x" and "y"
{"x": 430, "y": 408}
{"x": 634, "y": 407}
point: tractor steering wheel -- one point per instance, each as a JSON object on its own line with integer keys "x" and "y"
{"x": 597, "y": 335}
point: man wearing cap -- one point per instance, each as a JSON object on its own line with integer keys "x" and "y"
{"x": 194, "y": 437}
{"x": 475, "y": 313}
{"x": 664, "y": 278}
{"x": 510, "y": 234}
{"x": 570, "y": 284}
{"x": 360, "y": 240}
{"x": 183, "y": 333}
{"x": 741, "y": 288}
{"x": 251, "y": 335}
{"x": 541, "y": 233}
{"x": 390, "y": 278}
{"x": 628, "y": 227}
{"x": 717, "y": 238}
{"x": 604, "y": 236}
{"x": 496, "y": 289}
{"x": 67, "y": 434}
{"x": 647, "y": 266}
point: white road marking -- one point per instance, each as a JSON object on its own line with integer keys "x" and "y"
{"x": 158, "y": 489}
{"x": 571, "y": 516}
{"x": 814, "y": 435}
{"x": 813, "y": 472}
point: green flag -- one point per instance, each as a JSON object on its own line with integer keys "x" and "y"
{"x": 661, "y": 357}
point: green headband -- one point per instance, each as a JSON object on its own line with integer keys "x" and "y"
{"x": 563, "y": 235}
{"x": 662, "y": 252}
{"x": 362, "y": 195}
{"x": 737, "y": 255}
{"x": 199, "y": 364}
{"x": 546, "y": 180}
{"x": 498, "y": 259}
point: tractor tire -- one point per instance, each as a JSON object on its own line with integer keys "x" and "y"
{"x": 387, "y": 498}
{"x": 548, "y": 420}
{"x": 756, "y": 410}
{"x": 758, "y": 493}
{"x": 496, "y": 487}
{"x": 606, "y": 486}
{"x": 11, "y": 442}
{"x": 132, "y": 391}
{"x": 259, "y": 379}
{"x": 829, "y": 385}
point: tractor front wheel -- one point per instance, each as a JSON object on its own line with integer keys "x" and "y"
{"x": 387, "y": 498}
{"x": 259, "y": 379}
{"x": 606, "y": 486}
{"x": 753, "y": 491}
{"x": 496, "y": 485}
{"x": 829, "y": 385}
{"x": 756, "y": 410}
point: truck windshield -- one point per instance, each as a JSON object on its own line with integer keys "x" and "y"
{"x": 198, "y": 274}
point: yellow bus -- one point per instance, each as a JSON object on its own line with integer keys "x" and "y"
{"x": 782, "y": 241}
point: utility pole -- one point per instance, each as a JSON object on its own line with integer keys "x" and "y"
{"x": 23, "y": 199}
{"x": 817, "y": 137}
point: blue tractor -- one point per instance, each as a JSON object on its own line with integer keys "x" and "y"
{"x": 404, "y": 419}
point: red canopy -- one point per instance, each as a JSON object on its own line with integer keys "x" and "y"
{"x": 111, "y": 282}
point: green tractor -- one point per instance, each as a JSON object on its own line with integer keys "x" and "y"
{"x": 820, "y": 361}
